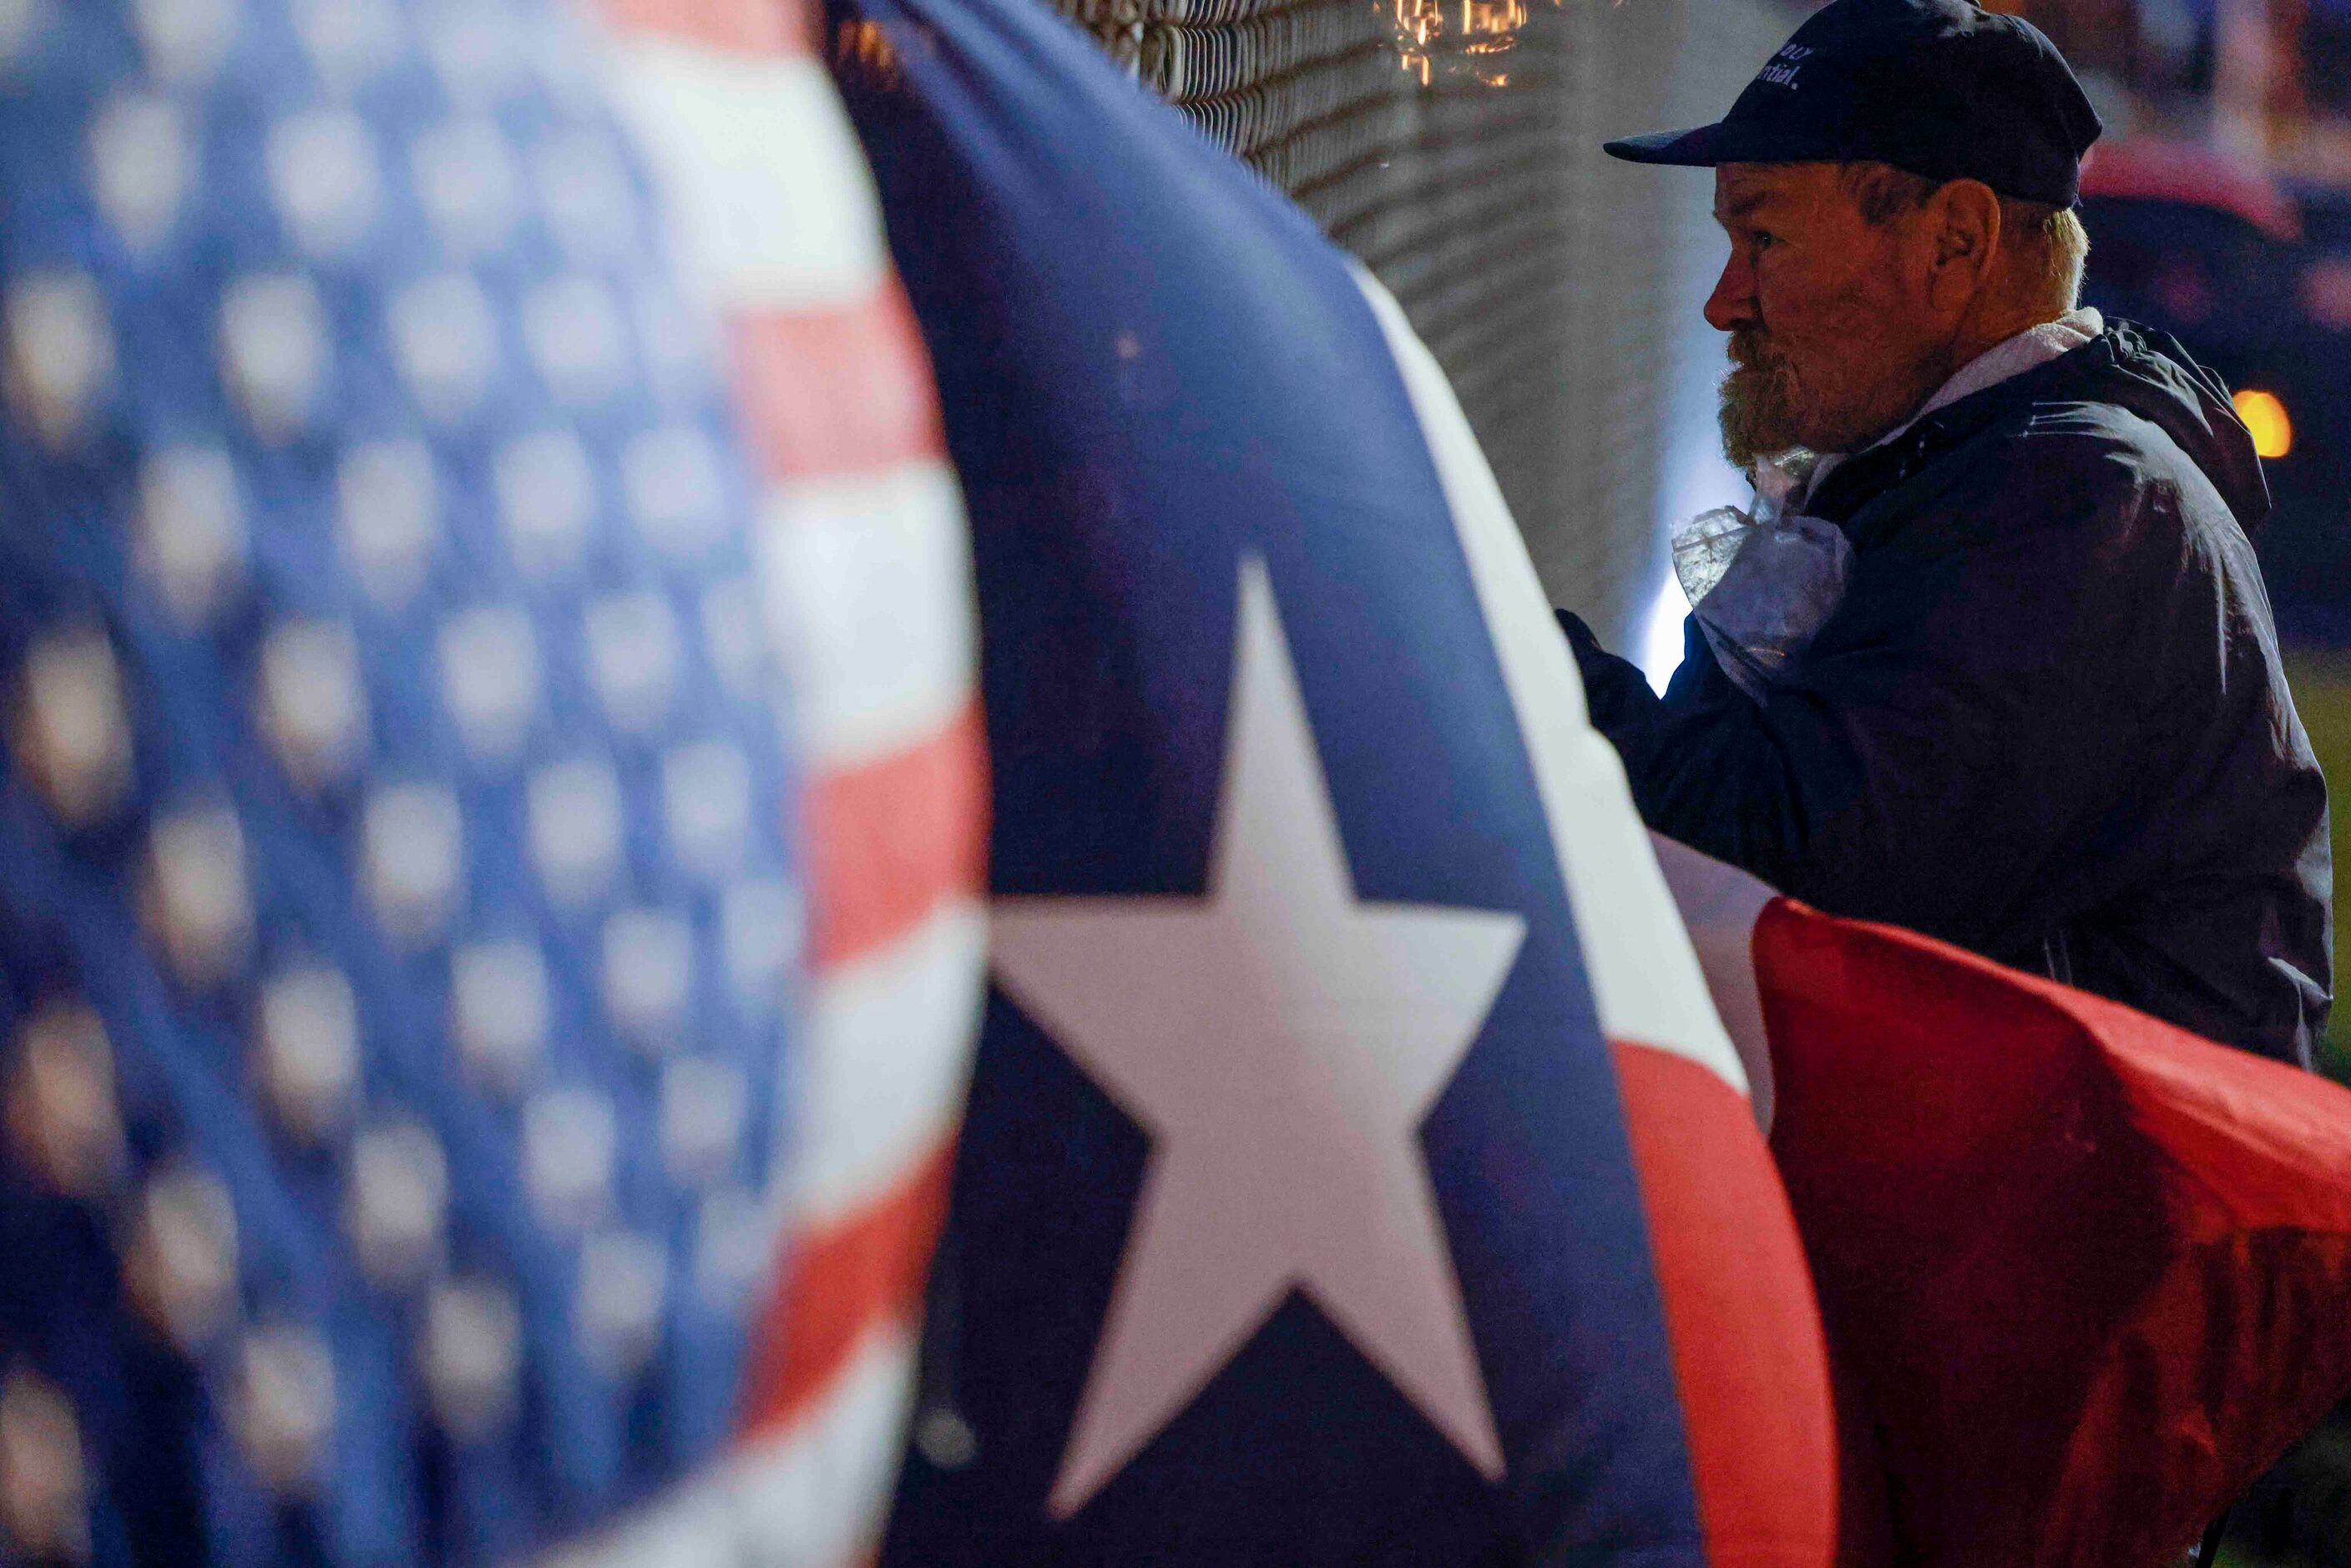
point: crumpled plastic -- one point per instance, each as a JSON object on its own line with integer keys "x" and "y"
{"x": 1762, "y": 583}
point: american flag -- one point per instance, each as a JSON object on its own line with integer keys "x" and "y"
{"x": 866, "y": 563}
{"x": 425, "y": 424}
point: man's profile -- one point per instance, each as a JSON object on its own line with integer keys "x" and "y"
{"x": 2041, "y": 713}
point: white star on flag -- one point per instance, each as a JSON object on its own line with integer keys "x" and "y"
{"x": 1281, "y": 1043}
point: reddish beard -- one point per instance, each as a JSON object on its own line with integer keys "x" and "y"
{"x": 1759, "y": 402}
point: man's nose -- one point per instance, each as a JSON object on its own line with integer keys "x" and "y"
{"x": 1732, "y": 304}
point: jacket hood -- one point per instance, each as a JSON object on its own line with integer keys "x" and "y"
{"x": 2149, "y": 373}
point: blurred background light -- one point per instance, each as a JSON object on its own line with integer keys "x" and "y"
{"x": 1661, "y": 640}
{"x": 2265, "y": 416}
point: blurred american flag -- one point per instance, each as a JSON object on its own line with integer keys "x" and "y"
{"x": 396, "y": 914}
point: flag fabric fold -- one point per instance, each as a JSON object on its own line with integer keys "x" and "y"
{"x": 2083, "y": 1273}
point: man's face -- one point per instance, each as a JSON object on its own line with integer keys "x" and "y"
{"x": 1833, "y": 339}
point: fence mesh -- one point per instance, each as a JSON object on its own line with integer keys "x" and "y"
{"x": 1469, "y": 180}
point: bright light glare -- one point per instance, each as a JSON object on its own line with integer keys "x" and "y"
{"x": 1661, "y": 642}
{"x": 2265, "y": 416}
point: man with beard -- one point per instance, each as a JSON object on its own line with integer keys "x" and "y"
{"x": 2032, "y": 701}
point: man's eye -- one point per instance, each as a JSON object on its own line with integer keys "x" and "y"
{"x": 1763, "y": 240}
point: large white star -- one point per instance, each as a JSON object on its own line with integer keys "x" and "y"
{"x": 1281, "y": 1043}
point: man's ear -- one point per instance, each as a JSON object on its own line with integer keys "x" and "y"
{"x": 1961, "y": 227}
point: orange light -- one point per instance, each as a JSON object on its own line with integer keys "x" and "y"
{"x": 2265, "y": 416}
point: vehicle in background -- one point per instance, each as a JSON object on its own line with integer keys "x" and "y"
{"x": 2256, "y": 282}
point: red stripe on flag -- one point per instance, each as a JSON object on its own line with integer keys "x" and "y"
{"x": 842, "y": 1282}
{"x": 745, "y": 26}
{"x": 837, "y": 392}
{"x": 888, "y": 841}
{"x": 1748, "y": 1359}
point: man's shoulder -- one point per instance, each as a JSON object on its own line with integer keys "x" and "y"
{"x": 2128, "y": 425}
{"x": 2107, "y": 441}
{"x": 2085, "y": 467}
{"x": 2061, "y": 515}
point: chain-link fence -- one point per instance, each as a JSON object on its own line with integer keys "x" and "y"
{"x": 1468, "y": 176}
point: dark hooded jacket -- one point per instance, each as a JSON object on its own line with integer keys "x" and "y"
{"x": 2048, "y": 722}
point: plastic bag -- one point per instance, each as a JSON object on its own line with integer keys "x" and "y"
{"x": 1762, "y": 584}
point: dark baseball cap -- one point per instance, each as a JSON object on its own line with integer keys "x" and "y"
{"x": 1940, "y": 87}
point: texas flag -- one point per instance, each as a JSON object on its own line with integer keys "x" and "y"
{"x": 2083, "y": 1273}
{"x": 1354, "y": 1169}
